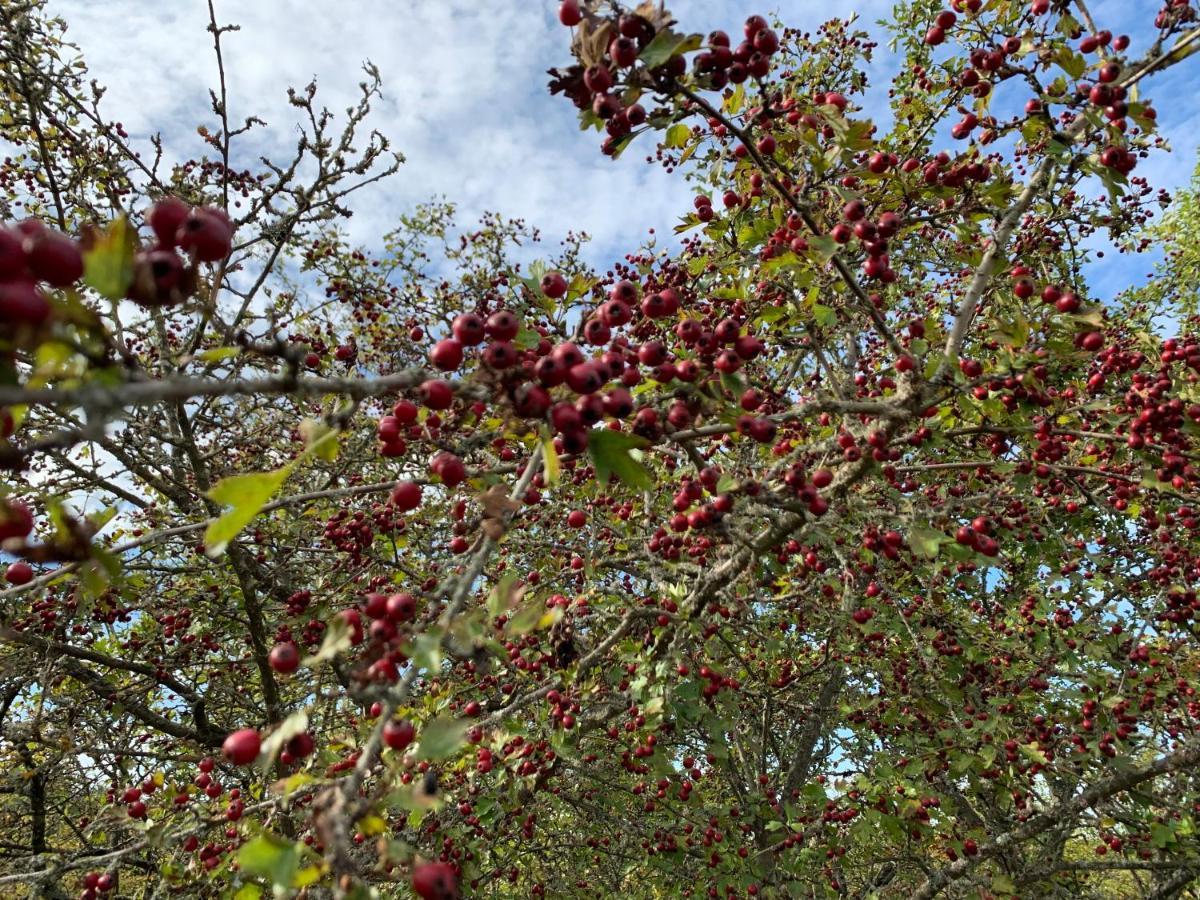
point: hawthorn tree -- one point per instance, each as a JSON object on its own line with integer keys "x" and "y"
{"x": 845, "y": 547}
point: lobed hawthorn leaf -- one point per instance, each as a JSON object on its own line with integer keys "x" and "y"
{"x": 666, "y": 44}
{"x": 610, "y": 453}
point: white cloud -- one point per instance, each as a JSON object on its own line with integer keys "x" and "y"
{"x": 466, "y": 100}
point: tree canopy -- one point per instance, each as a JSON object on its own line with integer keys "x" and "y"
{"x": 844, "y": 545}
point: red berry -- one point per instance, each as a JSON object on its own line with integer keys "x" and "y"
{"x": 301, "y": 745}
{"x": 435, "y": 881}
{"x": 284, "y": 658}
{"x": 577, "y": 518}
{"x": 569, "y": 13}
{"x": 23, "y": 303}
{"x": 398, "y": 733}
{"x": 500, "y": 355}
{"x": 503, "y": 325}
{"x": 158, "y": 278}
{"x": 242, "y": 747}
{"x": 597, "y": 79}
{"x": 12, "y": 254}
{"x": 554, "y": 285}
{"x": 436, "y": 394}
{"x": 15, "y": 519}
{"x": 54, "y": 258}
{"x": 450, "y": 468}
{"x": 165, "y": 218}
{"x": 401, "y": 607}
{"x": 19, "y": 572}
{"x": 468, "y": 328}
{"x": 623, "y": 51}
{"x": 206, "y": 233}
{"x": 754, "y": 24}
{"x": 406, "y": 495}
{"x": 447, "y": 354}
{"x": 405, "y": 411}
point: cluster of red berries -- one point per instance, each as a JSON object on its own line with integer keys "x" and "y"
{"x": 873, "y": 236}
{"x": 719, "y": 64}
{"x": 16, "y": 523}
{"x": 96, "y": 883}
{"x": 531, "y": 375}
{"x": 242, "y": 747}
{"x": 944, "y": 22}
{"x": 31, "y": 254}
{"x": 978, "y": 536}
{"x": 722, "y": 64}
{"x": 203, "y": 234}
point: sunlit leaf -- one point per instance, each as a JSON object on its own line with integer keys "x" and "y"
{"x": 245, "y": 495}
{"x": 108, "y": 263}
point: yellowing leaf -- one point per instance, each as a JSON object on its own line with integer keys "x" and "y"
{"x": 108, "y": 263}
{"x": 246, "y": 495}
{"x": 550, "y": 458}
{"x": 217, "y": 354}
{"x": 319, "y": 439}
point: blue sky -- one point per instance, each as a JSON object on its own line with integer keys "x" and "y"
{"x": 466, "y": 100}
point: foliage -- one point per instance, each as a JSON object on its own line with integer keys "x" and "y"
{"x": 847, "y": 549}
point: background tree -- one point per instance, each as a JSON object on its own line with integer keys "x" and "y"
{"x": 846, "y": 548}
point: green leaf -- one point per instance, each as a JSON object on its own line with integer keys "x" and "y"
{"x": 823, "y": 246}
{"x": 270, "y": 856}
{"x": 1070, "y": 61}
{"x": 925, "y": 542}
{"x": 427, "y": 650}
{"x": 619, "y": 145}
{"x": 825, "y": 316}
{"x": 248, "y": 892}
{"x": 770, "y": 314}
{"x": 245, "y": 495}
{"x": 525, "y": 619}
{"x": 527, "y": 338}
{"x": 441, "y": 738}
{"x": 677, "y": 136}
{"x": 1161, "y": 836}
{"x": 501, "y": 594}
{"x": 666, "y": 44}
{"x": 1002, "y": 884}
{"x": 1031, "y": 751}
{"x": 610, "y": 453}
{"x": 319, "y": 439}
{"x": 108, "y": 264}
